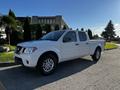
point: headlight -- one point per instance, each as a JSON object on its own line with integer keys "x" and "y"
{"x": 29, "y": 50}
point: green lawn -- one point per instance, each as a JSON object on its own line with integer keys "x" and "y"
{"x": 12, "y": 48}
{"x": 110, "y": 45}
{"x": 6, "y": 56}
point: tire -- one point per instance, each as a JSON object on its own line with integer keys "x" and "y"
{"x": 96, "y": 56}
{"x": 47, "y": 64}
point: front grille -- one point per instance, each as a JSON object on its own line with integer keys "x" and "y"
{"x": 18, "y": 49}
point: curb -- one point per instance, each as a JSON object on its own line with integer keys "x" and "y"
{"x": 7, "y": 64}
{"x": 110, "y": 49}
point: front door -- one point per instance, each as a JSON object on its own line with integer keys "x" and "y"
{"x": 69, "y": 46}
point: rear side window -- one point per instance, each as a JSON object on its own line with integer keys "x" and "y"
{"x": 82, "y": 36}
{"x": 70, "y": 37}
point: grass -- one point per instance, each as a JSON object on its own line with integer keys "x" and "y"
{"x": 110, "y": 45}
{"x": 6, "y": 57}
{"x": 12, "y": 48}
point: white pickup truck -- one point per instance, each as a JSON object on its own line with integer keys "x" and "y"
{"x": 56, "y": 47}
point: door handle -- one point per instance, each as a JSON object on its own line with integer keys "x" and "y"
{"x": 76, "y": 44}
{"x": 87, "y": 43}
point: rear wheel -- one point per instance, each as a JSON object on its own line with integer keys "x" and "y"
{"x": 47, "y": 64}
{"x": 97, "y": 54}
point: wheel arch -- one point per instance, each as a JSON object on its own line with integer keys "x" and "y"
{"x": 98, "y": 47}
{"x": 48, "y": 52}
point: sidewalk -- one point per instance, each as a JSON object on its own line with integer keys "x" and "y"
{"x": 118, "y": 45}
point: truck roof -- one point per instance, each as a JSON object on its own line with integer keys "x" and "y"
{"x": 71, "y": 30}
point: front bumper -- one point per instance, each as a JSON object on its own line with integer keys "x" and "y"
{"x": 18, "y": 60}
{"x": 28, "y": 60}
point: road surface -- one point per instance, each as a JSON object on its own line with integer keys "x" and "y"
{"x": 80, "y": 74}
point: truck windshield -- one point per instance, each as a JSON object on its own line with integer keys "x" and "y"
{"x": 53, "y": 36}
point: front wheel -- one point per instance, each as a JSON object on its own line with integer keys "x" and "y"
{"x": 47, "y": 64}
{"x": 96, "y": 56}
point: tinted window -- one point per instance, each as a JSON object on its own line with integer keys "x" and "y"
{"x": 82, "y": 36}
{"x": 70, "y": 37}
{"x": 53, "y": 36}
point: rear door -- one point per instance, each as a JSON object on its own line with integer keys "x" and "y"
{"x": 83, "y": 44}
{"x": 69, "y": 46}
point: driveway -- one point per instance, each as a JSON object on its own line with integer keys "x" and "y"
{"x": 80, "y": 74}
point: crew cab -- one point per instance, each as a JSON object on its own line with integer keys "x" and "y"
{"x": 56, "y": 47}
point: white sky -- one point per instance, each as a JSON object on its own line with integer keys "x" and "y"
{"x": 98, "y": 30}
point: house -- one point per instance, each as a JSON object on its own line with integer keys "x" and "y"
{"x": 52, "y": 20}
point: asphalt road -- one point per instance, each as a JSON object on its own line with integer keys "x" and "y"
{"x": 80, "y": 74}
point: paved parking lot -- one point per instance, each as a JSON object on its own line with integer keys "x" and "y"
{"x": 80, "y": 74}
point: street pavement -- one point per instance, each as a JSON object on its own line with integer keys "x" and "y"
{"x": 80, "y": 74}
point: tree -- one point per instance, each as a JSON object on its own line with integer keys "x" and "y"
{"x": 104, "y": 35}
{"x": 47, "y": 28}
{"x": 64, "y": 27}
{"x": 8, "y": 32}
{"x": 0, "y": 28}
{"x": 10, "y": 24}
{"x": 0, "y": 23}
{"x": 96, "y": 36}
{"x": 38, "y": 32}
{"x": 0, "y": 34}
{"x": 82, "y": 29}
{"x": 11, "y": 14}
{"x": 90, "y": 34}
{"x": 9, "y": 21}
{"x": 57, "y": 27}
{"x": 27, "y": 31}
{"x": 109, "y": 30}
{"x": 14, "y": 37}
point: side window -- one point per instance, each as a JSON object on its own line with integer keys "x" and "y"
{"x": 82, "y": 36}
{"x": 70, "y": 37}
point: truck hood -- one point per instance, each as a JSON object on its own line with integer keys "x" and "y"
{"x": 37, "y": 43}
